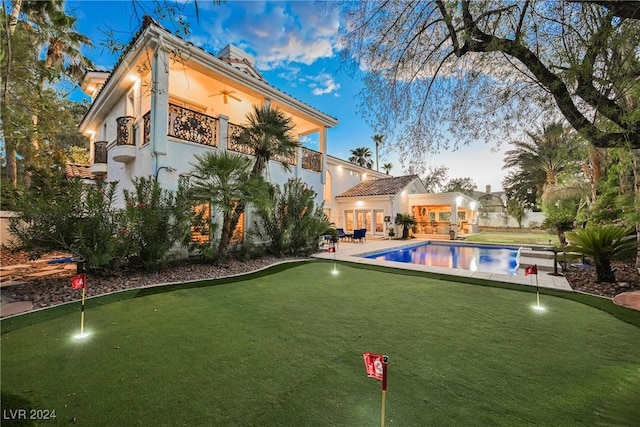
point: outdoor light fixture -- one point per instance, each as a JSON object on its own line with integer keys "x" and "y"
{"x": 81, "y": 336}
{"x": 538, "y": 308}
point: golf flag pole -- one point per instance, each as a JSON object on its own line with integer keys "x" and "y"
{"x": 376, "y": 365}
{"x": 533, "y": 269}
{"x": 79, "y": 281}
{"x": 82, "y": 312}
{"x": 385, "y": 360}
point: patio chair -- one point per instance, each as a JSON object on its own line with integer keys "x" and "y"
{"x": 360, "y": 234}
{"x": 341, "y": 234}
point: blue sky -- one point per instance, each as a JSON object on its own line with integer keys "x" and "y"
{"x": 297, "y": 49}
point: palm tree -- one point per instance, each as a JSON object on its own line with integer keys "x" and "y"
{"x": 604, "y": 243}
{"x": 269, "y": 135}
{"x": 60, "y": 46}
{"x": 540, "y": 161}
{"x": 378, "y": 139}
{"x": 224, "y": 180}
{"x": 387, "y": 167}
{"x": 406, "y": 221}
{"x": 362, "y": 157}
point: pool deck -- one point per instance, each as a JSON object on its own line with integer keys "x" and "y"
{"x": 353, "y": 252}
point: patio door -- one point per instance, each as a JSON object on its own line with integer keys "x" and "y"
{"x": 378, "y": 218}
{"x": 360, "y": 219}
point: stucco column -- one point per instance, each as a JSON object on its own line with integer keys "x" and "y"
{"x": 323, "y": 150}
{"x": 223, "y": 132}
{"x": 159, "y": 100}
{"x": 298, "y": 169}
{"x": 454, "y": 214}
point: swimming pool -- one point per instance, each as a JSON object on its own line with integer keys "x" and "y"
{"x": 492, "y": 259}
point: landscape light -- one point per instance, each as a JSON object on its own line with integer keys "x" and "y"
{"x": 81, "y": 336}
{"x": 538, "y": 308}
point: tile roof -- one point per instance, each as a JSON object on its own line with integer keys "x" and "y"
{"x": 78, "y": 171}
{"x": 380, "y": 186}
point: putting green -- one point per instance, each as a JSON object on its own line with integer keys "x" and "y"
{"x": 286, "y": 349}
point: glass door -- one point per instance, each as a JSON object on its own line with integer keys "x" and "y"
{"x": 378, "y": 216}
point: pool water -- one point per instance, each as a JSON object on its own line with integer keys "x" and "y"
{"x": 491, "y": 259}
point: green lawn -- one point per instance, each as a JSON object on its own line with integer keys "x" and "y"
{"x": 285, "y": 349}
{"x": 514, "y": 237}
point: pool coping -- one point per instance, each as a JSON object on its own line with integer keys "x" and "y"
{"x": 354, "y": 252}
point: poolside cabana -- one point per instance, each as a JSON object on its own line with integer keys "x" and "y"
{"x": 442, "y": 212}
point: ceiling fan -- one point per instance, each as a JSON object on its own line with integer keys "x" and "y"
{"x": 226, "y": 94}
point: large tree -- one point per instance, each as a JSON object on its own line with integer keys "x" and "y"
{"x": 538, "y": 162}
{"x": 461, "y": 185}
{"x": 442, "y": 72}
{"x": 41, "y": 48}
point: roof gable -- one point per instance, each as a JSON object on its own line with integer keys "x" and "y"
{"x": 380, "y": 186}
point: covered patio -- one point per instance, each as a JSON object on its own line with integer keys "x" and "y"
{"x": 438, "y": 214}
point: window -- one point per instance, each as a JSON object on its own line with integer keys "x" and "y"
{"x": 432, "y": 216}
{"x": 462, "y": 215}
{"x": 238, "y": 233}
{"x": 201, "y": 225}
{"x": 444, "y": 216}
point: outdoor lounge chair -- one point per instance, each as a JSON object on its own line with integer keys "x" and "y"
{"x": 360, "y": 234}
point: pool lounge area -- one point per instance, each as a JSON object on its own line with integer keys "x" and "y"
{"x": 358, "y": 252}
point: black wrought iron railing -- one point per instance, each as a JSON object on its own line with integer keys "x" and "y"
{"x": 311, "y": 159}
{"x": 100, "y": 152}
{"x": 124, "y": 135}
{"x": 192, "y": 126}
{"x": 233, "y": 131}
{"x": 284, "y": 159}
{"x": 146, "y": 128}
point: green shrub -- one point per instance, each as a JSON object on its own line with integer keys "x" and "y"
{"x": 604, "y": 243}
{"x": 75, "y": 217}
{"x": 290, "y": 221}
{"x": 154, "y": 221}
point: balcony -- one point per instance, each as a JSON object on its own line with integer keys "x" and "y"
{"x": 99, "y": 166}
{"x": 232, "y": 132}
{"x": 189, "y": 125}
{"x": 311, "y": 160}
{"x": 125, "y": 149}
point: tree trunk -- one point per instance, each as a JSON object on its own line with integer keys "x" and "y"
{"x": 225, "y": 235}
{"x": 15, "y": 12}
{"x": 405, "y": 232}
{"x": 12, "y": 165}
{"x": 604, "y": 273}
{"x": 636, "y": 191}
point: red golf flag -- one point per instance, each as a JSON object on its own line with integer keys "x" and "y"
{"x": 373, "y": 363}
{"x": 532, "y": 269}
{"x": 79, "y": 281}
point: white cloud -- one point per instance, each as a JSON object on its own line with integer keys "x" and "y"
{"x": 276, "y": 33}
{"x": 324, "y": 84}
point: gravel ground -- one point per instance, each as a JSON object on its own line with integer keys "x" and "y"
{"x": 54, "y": 290}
